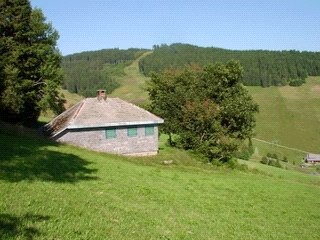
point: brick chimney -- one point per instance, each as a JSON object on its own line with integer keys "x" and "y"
{"x": 101, "y": 94}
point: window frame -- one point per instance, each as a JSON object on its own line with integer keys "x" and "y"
{"x": 147, "y": 130}
{"x": 110, "y": 130}
{"x": 129, "y": 131}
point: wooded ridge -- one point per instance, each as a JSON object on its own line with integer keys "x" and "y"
{"x": 261, "y": 67}
{"x": 87, "y": 71}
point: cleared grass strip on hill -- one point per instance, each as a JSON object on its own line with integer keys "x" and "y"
{"x": 133, "y": 84}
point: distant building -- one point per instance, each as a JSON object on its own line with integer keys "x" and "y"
{"x": 312, "y": 158}
{"x": 107, "y": 125}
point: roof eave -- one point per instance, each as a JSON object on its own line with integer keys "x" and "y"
{"x": 116, "y": 124}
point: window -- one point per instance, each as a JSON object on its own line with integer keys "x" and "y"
{"x": 149, "y": 130}
{"x": 111, "y": 133}
{"x": 132, "y": 132}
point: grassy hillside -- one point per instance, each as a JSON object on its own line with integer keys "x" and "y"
{"x": 52, "y": 191}
{"x": 290, "y": 116}
{"x": 132, "y": 84}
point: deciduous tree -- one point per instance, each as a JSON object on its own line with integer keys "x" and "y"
{"x": 208, "y": 108}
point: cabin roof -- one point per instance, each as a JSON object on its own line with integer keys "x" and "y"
{"x": 95, "y": 112}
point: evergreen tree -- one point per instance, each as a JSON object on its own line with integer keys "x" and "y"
{"x": 30, "y": 72}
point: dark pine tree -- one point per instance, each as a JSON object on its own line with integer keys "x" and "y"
{"x": 30, "y": 72}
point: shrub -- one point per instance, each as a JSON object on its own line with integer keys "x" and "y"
{"x": 245, "y": 154}
{"x": 232, "y": 163}
{"x": 277, "y": 164}
{"x": 272, "y": 155}
{"x": 264, "y": 160}
{"x": 271, "y": 161}
{"x": 296, "y": 82}
{"x": 245, "y": 151}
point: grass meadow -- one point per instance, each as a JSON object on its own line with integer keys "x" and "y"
{"x": 290, "y": 116}
{"x": 53, "y": 191}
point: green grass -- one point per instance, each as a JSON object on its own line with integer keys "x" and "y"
{"x": 53, "y": 191}
{"x": 295, "y": 158}
{"x": 290, "y": 116}
{"x": 132, "y": 84}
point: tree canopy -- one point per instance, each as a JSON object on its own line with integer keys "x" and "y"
{"x": 207, "y": 109}
{"x": 30, "y": 72}
{"x": 262, "y": 67}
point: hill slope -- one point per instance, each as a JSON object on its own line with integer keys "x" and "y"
{"x": 132, "y": 84}
{"x": 88, "y": 71}
{"x": 52, "y": 191}
{"x": 290, "y": 116}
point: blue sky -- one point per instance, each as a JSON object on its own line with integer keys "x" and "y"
{"x": 86, "y": 25}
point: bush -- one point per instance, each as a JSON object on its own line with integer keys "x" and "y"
{"x": 271, "y": 161}
{"x": 232, "y": 163}
{"x": 264, "y": 160}
{"x": 245, "y": 151}
{"x": 272, "y": 155}
{"x": 296, "y": 82}
{"x": 245, "y": 154}
{"x": 277, "y": 164}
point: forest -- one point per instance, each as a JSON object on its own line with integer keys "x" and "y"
{"x": 88, "y": 71}
{"x": 261, "y": 67}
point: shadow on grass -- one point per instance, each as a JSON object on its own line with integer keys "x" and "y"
{"x": 12, "y": 227}
{"x": 28, "y": 158}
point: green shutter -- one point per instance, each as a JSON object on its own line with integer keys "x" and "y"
{"x": 111, "y": 133}
{"x": 149, "y": 130}
{"x": 132, "y": 132}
